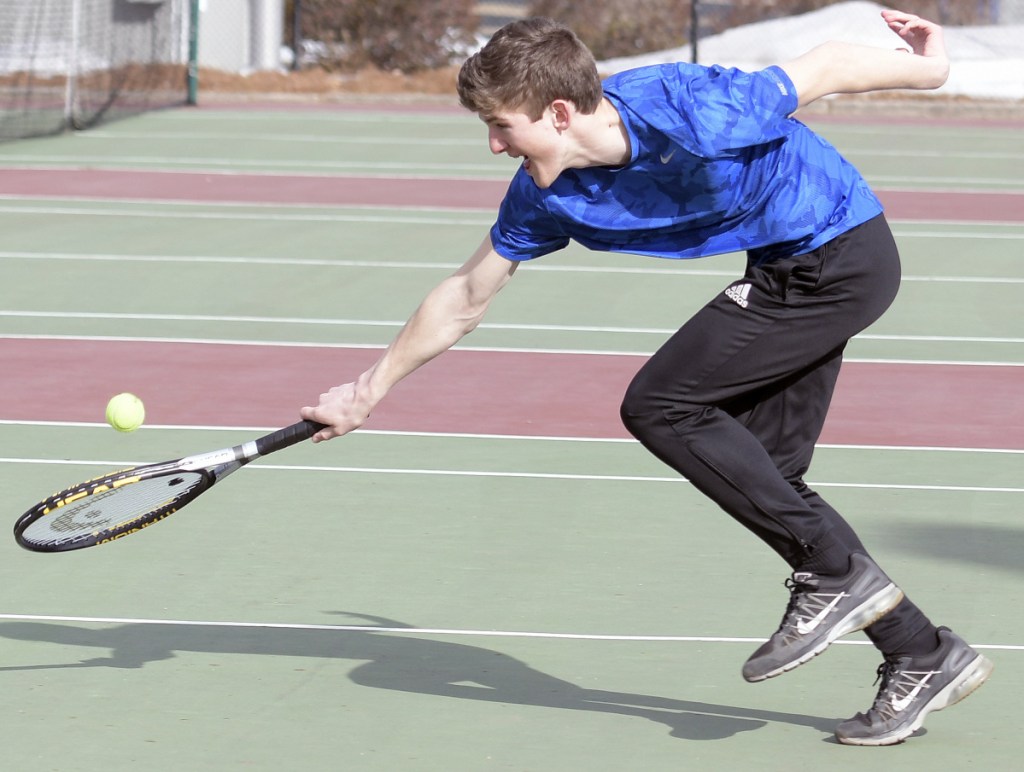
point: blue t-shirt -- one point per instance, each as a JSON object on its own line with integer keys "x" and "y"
{"x": 717, "y": 166}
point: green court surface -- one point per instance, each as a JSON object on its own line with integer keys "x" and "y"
{"x": 460, "y": 602}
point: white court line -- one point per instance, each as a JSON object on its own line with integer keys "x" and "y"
{"x": 208, "y": 213}
{"x": 426, "y": 630}
{"x": 370, "y": 139}
{"x": 224, "y": 113}
{"x": 465, "y": 348}
{"x": 478, "y": 436}
{"x": 355, "y": 139}
{"x": 373, "y": 629}
{"x": 205, "y": 212}
{"x": 943, "y": 154}
{"x": 885, "y": 182}
{"x": 396, "y": 323}
{"x": 425, "y": 170}
{"x": 503, "y": 176}
{"x": 679, "y": 268}
{"x": 511, "y": 475}
{"x": 347, "y": 170}
{"x": 493, "y": 170}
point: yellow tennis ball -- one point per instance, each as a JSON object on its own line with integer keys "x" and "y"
{"x": 125, "y": 412}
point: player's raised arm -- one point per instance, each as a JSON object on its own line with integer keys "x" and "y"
{"x": 845, "y": 68}
{"x": 450, "y": 311}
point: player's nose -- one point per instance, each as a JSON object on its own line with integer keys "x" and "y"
{"x": 497, "y": 145}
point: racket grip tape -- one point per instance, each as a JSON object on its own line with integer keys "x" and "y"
{"x": 289, "y": 435}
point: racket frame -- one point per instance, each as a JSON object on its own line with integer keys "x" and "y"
{"x": 212, "y": 467}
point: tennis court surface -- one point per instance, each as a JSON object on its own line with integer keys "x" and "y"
{"x": 491, "y": 576}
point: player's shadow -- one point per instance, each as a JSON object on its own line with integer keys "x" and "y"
{"x": 978, "y": 544}
{"x": 405, "y": 663}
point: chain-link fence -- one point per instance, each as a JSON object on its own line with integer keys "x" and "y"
{"x": 74, "y": 63}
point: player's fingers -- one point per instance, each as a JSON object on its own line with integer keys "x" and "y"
{"x": 310, "y": 414}
{"x": 335, "y": 423}
{"x": 904, "y": 24}
{"x": 323, "y": 435}
{"x": 895, "y": 16}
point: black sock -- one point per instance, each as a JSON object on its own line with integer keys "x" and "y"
{"x": 920, "y": 644}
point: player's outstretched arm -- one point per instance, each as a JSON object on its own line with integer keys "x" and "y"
{"x": 450, "y": 311}
{"x": 845, "y": 68}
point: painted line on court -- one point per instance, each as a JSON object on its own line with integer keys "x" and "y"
{"x": 447, "y": 171}
{"x": 388, "y": 170}
{"x": 203, "y": 211}
{"x": 460, "y": 347}
{"x": 398, "y": 323}
{"x": 425, "y": 630}
{"x": 290, "y": 139}
{"x": 511, "y": 475}
{"x": 334, "y": 216}
{"x": 481, "y": 436}
{"x": 681, "y": 270}
{"x": 404, "y": 140}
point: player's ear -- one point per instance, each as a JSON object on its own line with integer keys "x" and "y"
{"x": 561, "y": 113}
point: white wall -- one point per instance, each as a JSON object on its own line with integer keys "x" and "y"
{"x": 241, "y": 35}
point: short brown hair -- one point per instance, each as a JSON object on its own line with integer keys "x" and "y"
{"x": 527, "y": 65}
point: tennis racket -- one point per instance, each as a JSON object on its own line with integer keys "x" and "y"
{"x": 121, "y": 503}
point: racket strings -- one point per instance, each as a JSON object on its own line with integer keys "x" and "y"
{"x": 116, "y": 507}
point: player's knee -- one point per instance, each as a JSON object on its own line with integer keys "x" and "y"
{"x": 639, "y": 412}
{"x": 647, "y": 416}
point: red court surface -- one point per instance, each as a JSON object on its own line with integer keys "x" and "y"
{"x": 530, "y": 394}
{"x": 437, "y": 192}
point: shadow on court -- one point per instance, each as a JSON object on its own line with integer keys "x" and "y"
{"x": 403, "y": 663}
{"x": 988, "y": 545}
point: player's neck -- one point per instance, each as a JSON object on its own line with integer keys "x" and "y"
{"x": 602, "y": 138}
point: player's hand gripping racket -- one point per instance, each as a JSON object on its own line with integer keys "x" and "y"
{"x": 124, "y": 502}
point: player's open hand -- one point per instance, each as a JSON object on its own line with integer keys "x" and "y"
{"x": 924, "y": 37}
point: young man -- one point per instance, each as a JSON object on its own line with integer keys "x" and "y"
{"x": 682, "y": 161}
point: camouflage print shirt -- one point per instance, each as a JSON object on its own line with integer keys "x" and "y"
{"x": 717, "y": 165}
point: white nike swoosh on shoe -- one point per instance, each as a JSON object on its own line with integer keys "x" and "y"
{"x": 902, "y": 703}
{"x": 809, "y": 626}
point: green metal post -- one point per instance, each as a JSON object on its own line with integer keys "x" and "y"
{"x": 694, "y": 29}
{"x": 193, "y": 52}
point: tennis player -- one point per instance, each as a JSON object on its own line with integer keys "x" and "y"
{"x": 683, "y": 161}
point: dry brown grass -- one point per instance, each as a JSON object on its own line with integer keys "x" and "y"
{"x": 320, "y": 83}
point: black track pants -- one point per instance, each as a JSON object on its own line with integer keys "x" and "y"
{"x": 737, "y": 398}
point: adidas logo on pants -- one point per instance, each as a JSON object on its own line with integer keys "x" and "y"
{"x": 738, "y": 294}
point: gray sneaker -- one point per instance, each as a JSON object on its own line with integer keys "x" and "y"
{"x": 914, "y": 687}
{"x": 821, "y": 610}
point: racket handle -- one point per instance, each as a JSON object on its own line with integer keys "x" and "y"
{"x": 289, "y": 435}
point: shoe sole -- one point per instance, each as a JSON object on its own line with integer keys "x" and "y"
{"x": 970, "y": 678}
{"x": 865, "y": 615}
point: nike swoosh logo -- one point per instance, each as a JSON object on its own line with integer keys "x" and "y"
{"x": 902, "y": 703}
{"x": 809, "y": 626}
{"x": 666, "y": 157}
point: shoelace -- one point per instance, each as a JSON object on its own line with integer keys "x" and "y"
{"x": 805, "y": 605}
{"x": 899, "y": 688}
